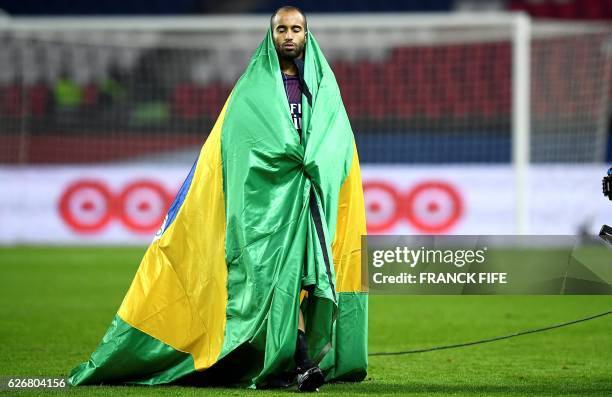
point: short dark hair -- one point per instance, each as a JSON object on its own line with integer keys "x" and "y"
{"x": 288, "y": 8}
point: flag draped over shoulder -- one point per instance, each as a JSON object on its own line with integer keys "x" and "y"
{"x": 261, "y": 215}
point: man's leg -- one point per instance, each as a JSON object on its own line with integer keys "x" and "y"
{"x": 301, "y": 349}
{"x": 301, "y": 322}
{"x": 309, "y": 377}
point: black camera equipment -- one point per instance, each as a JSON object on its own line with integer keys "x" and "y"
{"x": 606, "y": 231}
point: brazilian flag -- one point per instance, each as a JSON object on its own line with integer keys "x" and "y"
{"x": 264, "y": 225}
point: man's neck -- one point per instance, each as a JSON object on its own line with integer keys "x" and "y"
{"x": 288, "y": 67}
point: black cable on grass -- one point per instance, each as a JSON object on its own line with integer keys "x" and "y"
{"x": 487, "y": 340}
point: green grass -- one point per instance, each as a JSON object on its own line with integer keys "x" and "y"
{"x": 56, "y": 303}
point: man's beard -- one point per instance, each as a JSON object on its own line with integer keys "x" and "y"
{"x": 290, "y": 55}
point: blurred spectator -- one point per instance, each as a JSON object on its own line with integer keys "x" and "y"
{"x": 67, "y": 94}
{"x": 112, "y": 88}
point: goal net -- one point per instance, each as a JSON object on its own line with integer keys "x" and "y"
{"x": 419, "y": 89}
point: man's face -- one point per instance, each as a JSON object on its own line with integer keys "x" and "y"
{"x": 289, "y": 34}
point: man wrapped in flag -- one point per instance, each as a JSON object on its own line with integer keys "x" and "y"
{"x": 255, "y": 276}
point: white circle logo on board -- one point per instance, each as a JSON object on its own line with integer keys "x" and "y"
{"x": 86, "y": 206}
{"x": 382, "y": 205}
{"x": 143, "y": 205}
{"x": 433, "y": 206}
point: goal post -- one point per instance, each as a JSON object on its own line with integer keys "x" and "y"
{"x": 521, "y": 78}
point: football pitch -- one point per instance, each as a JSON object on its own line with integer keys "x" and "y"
{"x": 56, "y": 304}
